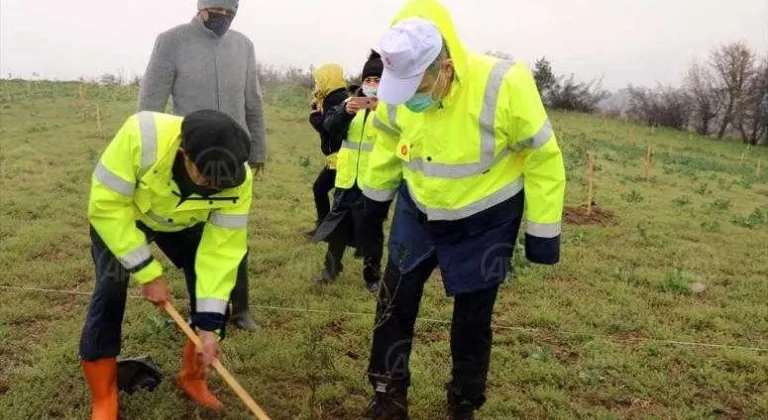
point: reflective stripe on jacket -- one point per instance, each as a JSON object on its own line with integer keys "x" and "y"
{"x": 355, "y": 150}
{"x": 133, "y": 182}
{"x": 488, "y": 140}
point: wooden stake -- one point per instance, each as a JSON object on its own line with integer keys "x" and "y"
{"x": 648, "y": 162}
{"x": 590, "y": 181}
{"x": 98, "y": 120}
{"x": 81, "y": 98}
{"x": 228, "y": 378}
{"x": 759, "y": 162}
{"x": 744, "y": 155}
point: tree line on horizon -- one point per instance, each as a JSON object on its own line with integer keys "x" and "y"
{"x": 725, "y": 96}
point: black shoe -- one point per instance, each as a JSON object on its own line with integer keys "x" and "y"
{"x": 372, "y": 276}
{"x": 463, "y": 412}
{"x": 240, "y": 316}
{"x": 324, "y": 277}
{"x": 245, "y": 322}
{"x": 389, "y": 405}
{"x": 459, "y": 408}
{"x": 311, "y": 233}
{"x": 372, "y": 287}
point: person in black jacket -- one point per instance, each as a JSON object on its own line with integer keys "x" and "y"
{"x": 330, "y": 90}
{"x": 344, "y": 225}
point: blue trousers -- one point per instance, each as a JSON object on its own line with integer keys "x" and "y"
{"x": 102, "y": 332}
{"x": 474, "y": 257}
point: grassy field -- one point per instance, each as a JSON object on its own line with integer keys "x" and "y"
{"x": 606, "y": 334}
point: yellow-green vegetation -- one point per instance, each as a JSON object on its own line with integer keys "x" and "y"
{"x": 589, "y": 338}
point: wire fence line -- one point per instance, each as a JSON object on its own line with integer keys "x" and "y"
{"x": 542, "y": 331}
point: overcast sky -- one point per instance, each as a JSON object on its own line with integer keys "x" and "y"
{"x": 623, "y": 41}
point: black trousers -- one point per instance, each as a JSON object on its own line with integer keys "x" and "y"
{"x": 371, "y": 260}
{"x": 324, "y": 183}
{"x": 396, "y": 312}
{"x": 346, "y": 226}
{"x": 102, "y": 333}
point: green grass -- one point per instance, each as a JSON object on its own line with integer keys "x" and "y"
{"x": 584, "y": 339}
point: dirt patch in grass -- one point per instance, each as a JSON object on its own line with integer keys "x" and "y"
{"x": 580, "y": 216}
{"x": 432, "y": 336}
{"x": 335, "y": 328}
{"x": 631, "y": 407}
{"x": 26, "y": 333}
{"x": 561, "y": 278}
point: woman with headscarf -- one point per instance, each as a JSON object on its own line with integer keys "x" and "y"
{"x": 330, "y": 90}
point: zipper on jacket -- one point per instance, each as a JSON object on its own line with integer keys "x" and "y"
{"x": 216, "y": 73}
{"x": 360, "y": 147}
{"x": 209, "y": 199}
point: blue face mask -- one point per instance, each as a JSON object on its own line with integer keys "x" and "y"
{"x": 218, "y": 23}
{"x": 421, "y": 102}
{"x": 370, "y": 90}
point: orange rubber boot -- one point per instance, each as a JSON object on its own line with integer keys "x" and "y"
{"x": 101, "y": 376}
{"x": 192, "y": 380}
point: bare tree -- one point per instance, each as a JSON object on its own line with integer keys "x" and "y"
{"x": 545, "y": 78}
{"x": 664, "y": 106}
{"x": 570, "y": 95}
{"x": 751, "y": 111}
{"x": 700, "y": 88}
{"x": 733, "y": 65}
{"x": 110, "y": 79}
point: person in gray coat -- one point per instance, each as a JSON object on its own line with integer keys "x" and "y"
{"x": 205, "y": 65}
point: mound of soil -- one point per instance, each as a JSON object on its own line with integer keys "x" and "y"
{"x": 598, "y": 216}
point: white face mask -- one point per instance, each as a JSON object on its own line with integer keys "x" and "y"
{"x": 370, "y": 90}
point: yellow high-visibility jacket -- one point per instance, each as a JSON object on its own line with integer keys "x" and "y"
{"x": 487, "y": 141}
{"x": 133, "y": 182}
{"x": 355, "y": 150}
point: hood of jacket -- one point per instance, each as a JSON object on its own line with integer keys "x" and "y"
{"x": 435, "y": 12}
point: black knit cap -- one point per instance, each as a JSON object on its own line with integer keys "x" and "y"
{"x": 374, "y": 66}
{"x": 217, "y": 145}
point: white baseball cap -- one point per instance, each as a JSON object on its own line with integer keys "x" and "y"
{"x": 407, "y": 49}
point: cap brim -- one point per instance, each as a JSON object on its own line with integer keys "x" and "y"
{"x": 395, "y": 91}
